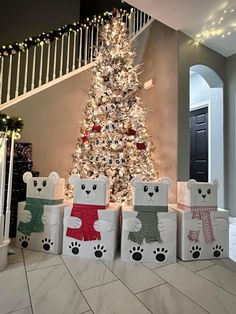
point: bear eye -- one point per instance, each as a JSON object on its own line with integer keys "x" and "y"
{"x": 145, "y": 188}
{"x": 208, "y": 191}
{"x": 94, "y": 187}
{"x": 35, "y": 183}
{"x": 83, "y": 186}
{"x": 156, "y": 188}
{"x": 200, "y": 191}
{"x": 44, "y": 183}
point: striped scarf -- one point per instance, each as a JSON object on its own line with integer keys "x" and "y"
{"x": 202, "y": 213}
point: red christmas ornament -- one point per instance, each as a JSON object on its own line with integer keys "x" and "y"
{"x": 131, "y": 132}
{"x": 141, "y": 146}
{"x": 96, "y": 128}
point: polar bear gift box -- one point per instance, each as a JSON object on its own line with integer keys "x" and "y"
{"x": 203, "y": 228}
{"x": 40, "y": 217}
{"x": 149, "y": 227}
{"x": 91, "y": 224}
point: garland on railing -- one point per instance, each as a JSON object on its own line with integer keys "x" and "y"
{"x": 46, "y": 38}
{"x": 10, "y": 124}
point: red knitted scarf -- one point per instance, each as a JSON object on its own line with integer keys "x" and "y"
{"x": 88, "y": 215}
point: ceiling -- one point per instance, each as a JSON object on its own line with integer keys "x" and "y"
{"x": 212, "y": 22}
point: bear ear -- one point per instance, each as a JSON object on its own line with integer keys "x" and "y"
{"x": 191, "y": 184}
{"x": 105, "y": 180}
{"x": 74, "y": 179}
{"x": 54, "y": 177}
{"x": 135, "y": 180}
{"x": 27, "y": 176}
{"x": 216, "y": 183}
{"x": 166, "y": 181}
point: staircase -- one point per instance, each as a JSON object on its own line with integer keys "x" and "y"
{"x": 37, "y": 63}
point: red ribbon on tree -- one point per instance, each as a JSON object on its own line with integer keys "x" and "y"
{"x": 85, "y": 137}
{"x": 141, "y": 146}
{"x": 131, "y": 132}
{"x": 96, "y": 128}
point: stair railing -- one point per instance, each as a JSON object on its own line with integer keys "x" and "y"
{"x": 27, "y": 66}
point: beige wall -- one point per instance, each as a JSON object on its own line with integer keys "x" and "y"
{"x": 157, "y": 50}
{"x": 52, "y": 123}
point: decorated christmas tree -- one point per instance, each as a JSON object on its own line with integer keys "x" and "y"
{"x": 114, "y": 140}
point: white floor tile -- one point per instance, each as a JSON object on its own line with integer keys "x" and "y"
{"x": 166, "y": 299}
{"x": 17, "y": 257}
{"x": 209, "y": 296}
{"x": 134, "y": 275}
{"x": 196, "y": 265}
{"x": 54, "y": 291}
{"x": 13, "y": 289}
{"x": 88, "y": 273}
{"x": 23, "y": 311}
{"x": 220, "y": 276}
{"x": 36, "y": 260}
{"x": 114, "y": 298}
{"x": 155, "y": 265}
{"x": 227, "y": 263}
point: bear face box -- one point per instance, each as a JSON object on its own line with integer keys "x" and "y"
{"x": 90, "y": 191}
{"x": 197, "y": 194}
{"x": 150, "y": 193}
{"x": 51, "y": 187}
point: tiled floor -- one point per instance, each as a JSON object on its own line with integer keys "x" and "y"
{"x": 48, "y": 284}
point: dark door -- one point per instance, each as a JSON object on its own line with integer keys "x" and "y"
{"x": 199, "y": 145}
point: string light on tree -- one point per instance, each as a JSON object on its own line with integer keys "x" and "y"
{"x": 114, "y": 140}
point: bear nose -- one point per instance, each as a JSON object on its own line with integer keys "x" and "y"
{"x": 150, "y": 194}
{"x": 204, "y": 195}
{"x": 87, "y": 191}
{"x": 39, "y": 189}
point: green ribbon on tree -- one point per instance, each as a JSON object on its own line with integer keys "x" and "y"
{"x": 149, "y": 219}
{"x": 36, "y": 207}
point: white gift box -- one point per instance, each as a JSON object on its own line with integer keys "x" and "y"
{"x": 90, "y": 191}
{"x": 105, "y": 248}
{"x": 163, "y": 252}
{"x": 193, "y": 193}
{"x": 197, "y": 250}
{"x": 51, "y": 187}
{"x": 150, "y": 193}
{"x": 50, "y": 240}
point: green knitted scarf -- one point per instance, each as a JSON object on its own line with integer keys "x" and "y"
{"x": 149, "y": 219}
{"x": 35, "y": 206}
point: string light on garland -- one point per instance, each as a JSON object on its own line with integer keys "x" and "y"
{"x": 221, "y": 26}
{"x": 46, "y": 38}
{"x": 10, "y": 124}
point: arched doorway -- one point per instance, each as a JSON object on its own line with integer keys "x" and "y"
{"x": 206, "y": 127}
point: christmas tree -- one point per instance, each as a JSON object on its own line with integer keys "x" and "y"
{"x": 114, "y": 140}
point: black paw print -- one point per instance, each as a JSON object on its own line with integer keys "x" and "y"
{"x": 195, "y": 251}
{"x": 136, "y": 253}
{"x": 160, "y": 254}
{"x": 217, "y": 250}
{"x": 75, "y": 247}
{"x": 24, "y": 241}
{"x": 47, "y": 243}
{"x": 99, "y": 251}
